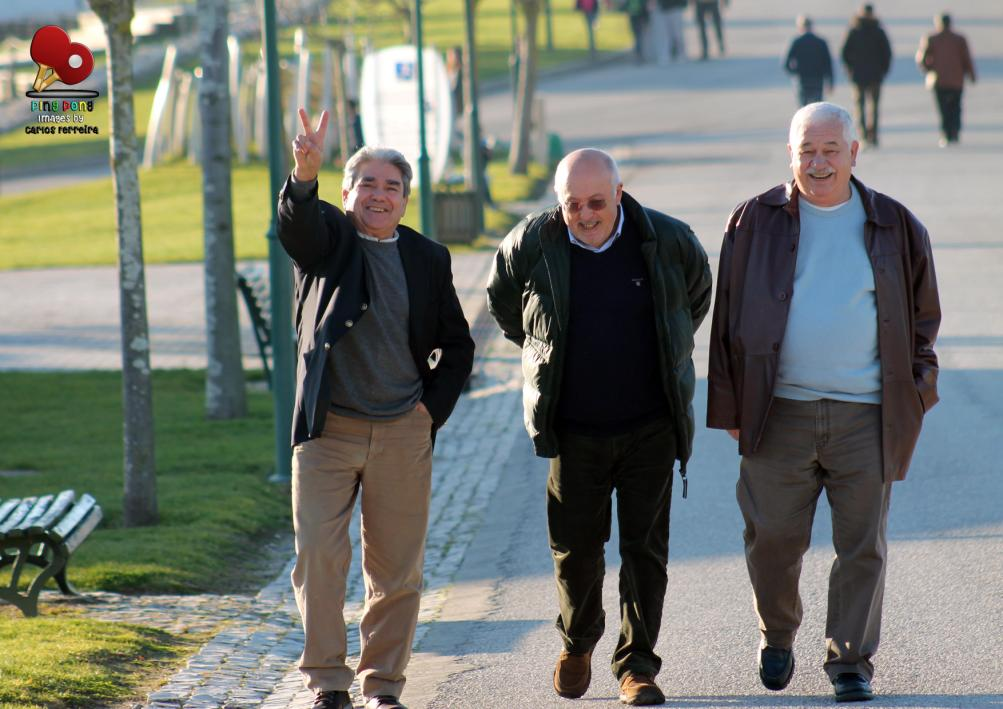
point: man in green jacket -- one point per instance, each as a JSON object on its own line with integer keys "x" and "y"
{"x": 603, "y": 296}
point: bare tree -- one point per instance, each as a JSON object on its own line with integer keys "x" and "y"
{"x": 139, "y": 505}
{"x": 518, "y": 159}
{"x": 225, "y": 396}
{"x": 403, "y": 10}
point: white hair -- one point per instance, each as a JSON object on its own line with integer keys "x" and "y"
{"x": 818, "y": 113}
{"x": 564, "y": 167}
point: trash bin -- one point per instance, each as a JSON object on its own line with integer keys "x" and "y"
{"x": 455, "y": 217}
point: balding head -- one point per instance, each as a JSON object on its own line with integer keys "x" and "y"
{"x": 584, "y": 161}
{"x": 587, "y": 183}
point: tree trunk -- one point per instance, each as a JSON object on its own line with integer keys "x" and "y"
{"x": 139, "y": 505}
{"x": 225, "y": 396}
{"x": 518, "y": 159}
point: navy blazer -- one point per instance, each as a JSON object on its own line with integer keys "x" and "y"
{"x": 331, "y": 295}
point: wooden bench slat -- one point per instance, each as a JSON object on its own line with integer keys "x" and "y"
{"x": 7, "y": 506}
{"x": 68, "y": 523}
{"x": 36, "y": 512}
{"x": 17, "y": 514}
{"x": 84, "y": 528}
{"x": 57, "y": 509}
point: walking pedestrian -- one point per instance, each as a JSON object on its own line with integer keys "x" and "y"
{"x": 639, "y": 17}
{"x": 822, "y": 367}
{"x": 608, "y": 388}
{"x": 809, "y": 60}
{"x": 667, "y": 19}
{"x": 946, "y": 59}
{"x": 704, "y": 9}
{"x": 867, "y": 56}
{"x": 373, "y": 300}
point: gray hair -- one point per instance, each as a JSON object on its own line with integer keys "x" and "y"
{"x": 819, "y": 112}
{"x": 591, "y": 154}
{"x": 368, "y": 154}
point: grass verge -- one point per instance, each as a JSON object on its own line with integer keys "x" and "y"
{"x": 80, "y": 231}
{"x": 216, "y": 509}
{"x": 63, "y": 662}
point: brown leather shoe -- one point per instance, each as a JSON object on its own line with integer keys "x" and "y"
{"x": 640, "y": 690}
{"x": 573, "y": 674}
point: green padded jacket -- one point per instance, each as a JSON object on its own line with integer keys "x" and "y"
{"x": 528, "y": 293}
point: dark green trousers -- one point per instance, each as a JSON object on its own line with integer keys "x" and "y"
{"x": 638, "y": 466}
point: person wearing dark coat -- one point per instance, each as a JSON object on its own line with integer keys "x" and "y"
{"x": 867, "y": 56}
{"x": 809, "y": 60}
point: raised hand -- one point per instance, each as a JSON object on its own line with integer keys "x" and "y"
{"x": 308, "y": 148}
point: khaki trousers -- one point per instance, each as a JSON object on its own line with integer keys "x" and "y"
{"x": 391, "y": 463}
{"x": 808, "y": 446}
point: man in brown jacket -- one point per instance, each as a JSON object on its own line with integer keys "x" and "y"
{"x": 945, "y": 58}
{"x": 822, "y": 367}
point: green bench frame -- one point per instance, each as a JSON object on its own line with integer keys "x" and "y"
{"x": 44, "y": 532}
{"x": 254, "y": 288}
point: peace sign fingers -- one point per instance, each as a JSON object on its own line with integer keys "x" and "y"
{"x": 308, "y": 147}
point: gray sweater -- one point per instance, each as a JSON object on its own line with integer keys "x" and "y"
{"x": 830, "y": 348}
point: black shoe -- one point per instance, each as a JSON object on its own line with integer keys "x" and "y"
{"x": 333, "y": 699}
{"x": 776, "y": 667}
{"x": 852, "y": 687}
{"x": 384, "y": 701}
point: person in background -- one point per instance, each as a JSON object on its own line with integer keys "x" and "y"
{"x": 946, "y": 59}
{"x": 867, "y": 56}
{"x": 712, "y": 9}
{"x": 809, "y": 60}
{"x": 667, "y": 21}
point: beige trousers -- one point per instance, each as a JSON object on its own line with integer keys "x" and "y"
{"x": 391, "y": 463}
{"x": 808, "y": 446}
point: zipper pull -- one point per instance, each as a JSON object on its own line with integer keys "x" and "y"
{"x": 686, "y": 482}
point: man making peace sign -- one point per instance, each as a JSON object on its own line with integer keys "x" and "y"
{"x": 373, "y": 300}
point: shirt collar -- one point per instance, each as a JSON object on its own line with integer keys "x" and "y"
{"x": 606, "y": 244}
{"x": 367, "y": 237}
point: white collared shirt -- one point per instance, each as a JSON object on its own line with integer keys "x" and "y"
{"x": 606, "y": 244}
{"x": 374, "y": 238}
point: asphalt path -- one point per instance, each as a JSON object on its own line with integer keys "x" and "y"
{"x": 693, "y": 139}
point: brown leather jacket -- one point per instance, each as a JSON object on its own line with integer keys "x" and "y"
{"x": 754, "y": 286}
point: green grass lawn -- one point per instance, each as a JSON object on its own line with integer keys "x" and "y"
{"x": 60, "y": 227}
{"x": 215, "y": 505}
{"x": 216, "y": 512}
{"x": 65, "y": 661}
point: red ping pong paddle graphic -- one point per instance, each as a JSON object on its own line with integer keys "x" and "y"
{"x": 69, "y": 62}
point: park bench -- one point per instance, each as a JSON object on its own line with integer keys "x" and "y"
{"x": 254, "y": 288}
{"x": 42, "y": 531}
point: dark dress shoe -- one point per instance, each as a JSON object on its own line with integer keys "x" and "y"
{"x": 852, "y": 687}
{"x": 333, "y": 699}
{"x": 384, "y": 701}
{"x": 573, "y": 674}
{"x": 776, "y": 667}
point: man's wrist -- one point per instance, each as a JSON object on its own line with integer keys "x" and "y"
{"x": 301, "y": 176}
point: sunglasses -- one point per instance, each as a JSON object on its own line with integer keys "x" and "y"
{"x": 573, "y": 206}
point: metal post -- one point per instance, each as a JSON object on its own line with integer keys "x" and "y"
{"x": 278, "y": 262}
{"x": 425, "y": 177}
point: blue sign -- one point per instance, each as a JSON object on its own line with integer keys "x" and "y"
{"x": 405, "y": 70}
